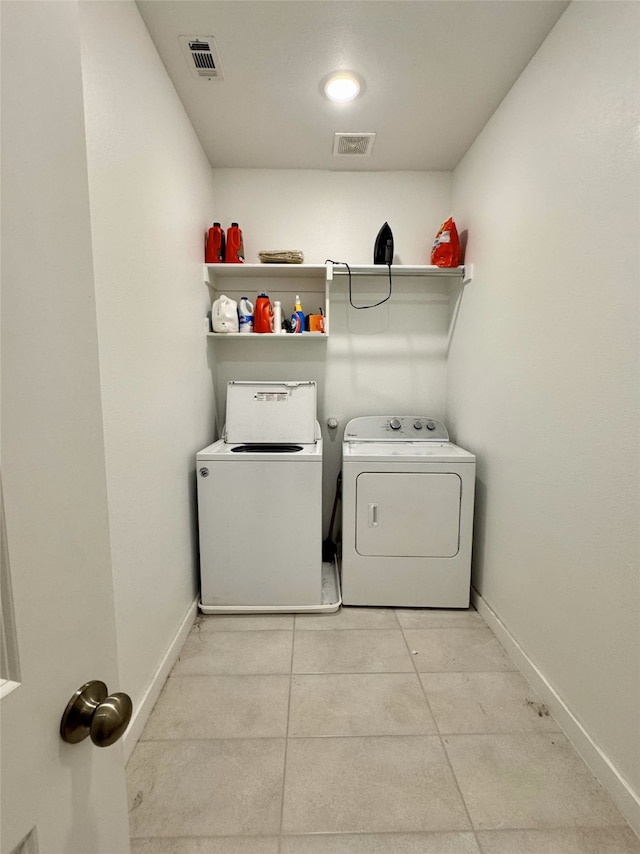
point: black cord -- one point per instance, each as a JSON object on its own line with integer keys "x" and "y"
{"x": 359, "y": 307}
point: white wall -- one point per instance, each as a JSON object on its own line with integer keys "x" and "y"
{"x": 543, "y": 374}
{"x": 333, "y": 214}
{"x": 151, "y": 200}
{"x": 388, "y": 359}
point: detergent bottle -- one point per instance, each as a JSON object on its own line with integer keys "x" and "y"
{"x": 245, "y": 315}
{"x": 234, "y": 253}
{"x": 297, "y": 318}
{"x": 214, "y": 249}
{"x": 263, "y": 317}
{"x": 224, "y": 315}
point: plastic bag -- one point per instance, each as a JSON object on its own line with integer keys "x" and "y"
{"x": 446, "y": 246}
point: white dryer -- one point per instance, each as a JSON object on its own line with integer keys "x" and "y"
{"x": 260, "y": 505}
{"x": 407, "y": 514}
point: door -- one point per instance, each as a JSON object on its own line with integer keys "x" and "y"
{"x": 413, "y": 514}
{"x": 60, "y": 622}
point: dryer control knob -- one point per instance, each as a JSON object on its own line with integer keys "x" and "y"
{"x": 395, "y": 424}
{"x": 417, "y": 425}
{"x": 431, "y": 425}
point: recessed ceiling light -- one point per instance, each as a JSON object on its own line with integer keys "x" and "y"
{"x": 342, "y": 86}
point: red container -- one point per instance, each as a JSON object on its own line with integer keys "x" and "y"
{"x": 263, "y": 314}
{"x": 214, "y": 249}
{"x": 446, "y": 246}
{"x": 234, "y": 253}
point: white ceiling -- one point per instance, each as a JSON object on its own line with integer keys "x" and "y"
{"x": 434, "y": 71}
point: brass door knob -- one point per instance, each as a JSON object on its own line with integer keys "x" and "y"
{"x": 93, "y": 712}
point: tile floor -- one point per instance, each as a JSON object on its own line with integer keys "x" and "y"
{"x": 371, "y": 731}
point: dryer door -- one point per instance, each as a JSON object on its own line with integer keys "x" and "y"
{"x": 408, "y": 514}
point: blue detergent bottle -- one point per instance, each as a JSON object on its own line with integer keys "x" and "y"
{"x": 297, "y": 318}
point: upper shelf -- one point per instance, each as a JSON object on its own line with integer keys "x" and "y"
{"x": 328, "y": 271}
{"x": 398, "y": 270}
{"x": 280, "y": 271}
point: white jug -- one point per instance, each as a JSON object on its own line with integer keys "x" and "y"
{"x": 224, "y": 315}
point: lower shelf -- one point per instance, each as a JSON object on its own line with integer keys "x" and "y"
{"x": 330, "y": 599}
{"x": 258, "y": 336}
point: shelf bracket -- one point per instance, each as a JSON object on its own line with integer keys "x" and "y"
{"x": 329, "y": 271}
{"x": 467, "y": 274}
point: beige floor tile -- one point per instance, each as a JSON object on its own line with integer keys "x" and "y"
{"x": 529, "y": 780}
{"x": 485, "y": 702}
{"x": 220, "y": 707}
{"x": 349, "y": 618}
{"x": 595, "y": 840}
{"x": 439, "y": 618}
{"x": 211, "y": 653}
{"x": 381, "y": 843}
{"x": 351, "y": 651}
{"x": 243, "y": 622}
{"x": 206, "y": 788}
{"x": 208, "y": 845}
{"x": 359, "y": 704}
{"x": 452, "y": 650}
{"x": 394, "y": 784}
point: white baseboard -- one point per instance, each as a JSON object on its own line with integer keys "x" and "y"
{"x": 627, "y": 801}
{"x": 145, "y": 706}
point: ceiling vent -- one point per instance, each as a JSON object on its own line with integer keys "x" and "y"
{"x": 353, "y": 144}
{"x": 202, "y": 56}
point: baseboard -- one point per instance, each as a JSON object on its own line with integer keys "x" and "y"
{"x": 145, "y": 706}
{"x": 620, "y": 791}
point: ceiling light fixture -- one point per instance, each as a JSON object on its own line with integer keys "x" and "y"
{"x": 342, "y": 86}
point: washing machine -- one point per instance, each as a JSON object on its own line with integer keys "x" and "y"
{"x": 407, "y": 514}
{"x": 260, "y": 505}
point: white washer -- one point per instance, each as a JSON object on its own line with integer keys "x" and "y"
{"x": 260, "y": 505}
{"x": 407, "y": 514}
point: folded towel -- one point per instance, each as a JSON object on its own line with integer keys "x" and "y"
{"x": 281, "y": 256}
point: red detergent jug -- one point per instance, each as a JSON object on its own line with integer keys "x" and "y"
{"x": 262, "y": 314}
{"x": 214, "y": 248}
{"x": 234, "y": 253}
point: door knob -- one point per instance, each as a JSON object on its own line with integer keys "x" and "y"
{"x": 93, "y": 712}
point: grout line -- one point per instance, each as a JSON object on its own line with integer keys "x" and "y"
{"x": 444, "y": 750}
{"x": 478, "y": 842}
{"x": 535, "y": 828}
{"x": 471, "y": 627}
{"x": 286, "y": 744}
{"x": 345, "y": 673}
{"x": 434, "y": 734}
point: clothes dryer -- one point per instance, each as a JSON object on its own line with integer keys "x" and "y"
{"x": 407, "y": 506}
{"x": 260, "y": 505}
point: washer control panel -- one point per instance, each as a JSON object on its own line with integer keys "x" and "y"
{"x": 395, "y": 428}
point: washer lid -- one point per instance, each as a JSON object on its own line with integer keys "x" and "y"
{"x": 405, "y": 452}
{"x": 271, "y": 412}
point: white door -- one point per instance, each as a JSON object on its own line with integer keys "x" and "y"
{"x": 66, "y": 799}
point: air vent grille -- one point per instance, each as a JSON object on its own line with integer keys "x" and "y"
{"x": 202, "y": 56}
{"x": 353, "y": 144}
